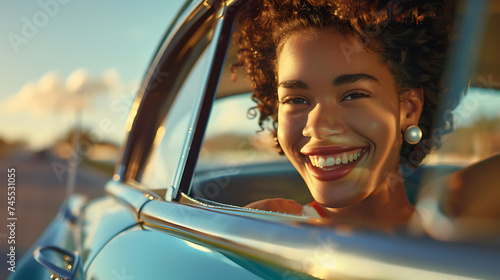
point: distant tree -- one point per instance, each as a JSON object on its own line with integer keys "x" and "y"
{"x": 8, "y": 148}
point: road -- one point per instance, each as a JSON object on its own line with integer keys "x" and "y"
{"x": 40, "y": 190}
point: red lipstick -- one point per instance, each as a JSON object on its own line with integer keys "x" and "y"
{"x": 334, "y": 172}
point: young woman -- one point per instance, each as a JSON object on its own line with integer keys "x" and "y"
{"x": 353, "y": 88}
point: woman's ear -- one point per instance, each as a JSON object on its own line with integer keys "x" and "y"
{"x": 411, "y": 104}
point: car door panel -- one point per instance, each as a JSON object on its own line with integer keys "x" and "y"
{"x": 98, "y": 227}
{"x": 145, "y": 254}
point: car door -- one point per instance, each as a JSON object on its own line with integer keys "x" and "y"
{"x": 167, "y": 125}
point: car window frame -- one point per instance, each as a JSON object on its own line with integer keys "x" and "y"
{"x": 159, "y": 89}
{"x": 209, "y": 95}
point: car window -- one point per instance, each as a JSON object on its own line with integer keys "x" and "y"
{"x": 476, "y": 134}
{"x": 233, "y": 136}
{"x": 238, "y": 139}
{"x": 173, "y": 137}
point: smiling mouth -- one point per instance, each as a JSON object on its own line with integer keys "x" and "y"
{"x": 334, "y": 161}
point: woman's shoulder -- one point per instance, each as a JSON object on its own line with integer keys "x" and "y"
{"x": 474, "y": 191}
{"x": 463, "y": 205}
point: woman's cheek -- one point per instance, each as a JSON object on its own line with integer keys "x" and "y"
{"x": 289, "y": 129}
{"x": 284, "y": 134}
{"x": 380, "y": 123}
{"x": 383, "y": 132}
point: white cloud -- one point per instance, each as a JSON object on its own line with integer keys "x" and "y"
{"x": 44, "y": 110}
{"x": 51, "y": 94}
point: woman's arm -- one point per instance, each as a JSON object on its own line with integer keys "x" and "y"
{"x": 280, "y": 205}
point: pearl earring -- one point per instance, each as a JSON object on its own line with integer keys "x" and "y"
{"x": 413, "y": 134}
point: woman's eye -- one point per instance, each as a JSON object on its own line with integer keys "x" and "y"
{"x": 294, "y": 101}
{"x": 355, "y": 95}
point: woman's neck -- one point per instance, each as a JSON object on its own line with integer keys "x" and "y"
{"x": 386, "y": 208}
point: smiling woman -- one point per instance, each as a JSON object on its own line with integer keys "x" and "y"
{"x": 329, "y": 115}
{"x": 353, "y": 90}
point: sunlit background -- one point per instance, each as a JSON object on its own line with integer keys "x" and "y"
{"x": 64, "y": 62}
{"x": 58, "y": 56}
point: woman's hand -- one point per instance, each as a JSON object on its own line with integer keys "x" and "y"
{"x": 281, "y": 205}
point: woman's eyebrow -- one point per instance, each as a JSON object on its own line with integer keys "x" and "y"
{"x": 293, "y": 84}
{"x": 351, "y": 78}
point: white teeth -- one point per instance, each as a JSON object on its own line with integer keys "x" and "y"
{"x": 338, "y": 161}
{"x": 322, "y": 162}
{"x": 344, "y": 158}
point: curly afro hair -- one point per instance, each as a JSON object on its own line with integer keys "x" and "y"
{"x": 411, "y": 37}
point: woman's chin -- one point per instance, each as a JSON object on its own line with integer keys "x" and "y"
{"x": 347, "y": 191}
{"x": 339, "y": 198}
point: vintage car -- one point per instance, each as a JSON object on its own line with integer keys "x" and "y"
{"x": 192, "y": 160}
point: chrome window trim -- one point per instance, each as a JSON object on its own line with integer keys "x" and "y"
{"x": 133, "y": 198}
{"x": 158, "y": 92}
{"x": 307, "y": 247}
{"x": 228, "y": 15}
{"x": 194, "y": 126}
{"x": 185, "y": 11}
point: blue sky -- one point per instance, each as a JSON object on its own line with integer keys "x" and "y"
{"x": 53, "y": 48}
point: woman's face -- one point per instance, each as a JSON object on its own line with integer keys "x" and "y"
{"x": 339, "y": 119}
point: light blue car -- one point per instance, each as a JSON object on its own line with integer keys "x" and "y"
{"x": 174, "y": 208}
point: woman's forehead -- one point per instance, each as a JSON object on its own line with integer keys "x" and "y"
{"x": 326, "y": 45}
{"x": 339, "y": 41}
{"x": 330, "y": 57}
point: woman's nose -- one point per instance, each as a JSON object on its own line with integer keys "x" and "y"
{"x": 322, "y": 122}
